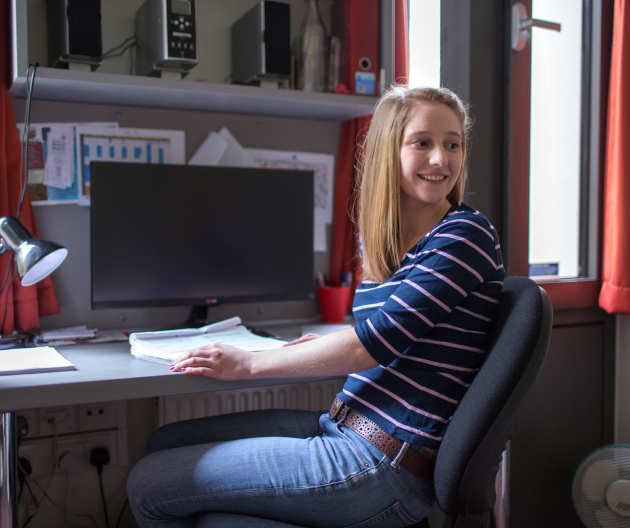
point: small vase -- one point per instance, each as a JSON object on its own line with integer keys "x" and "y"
{"x": 312, "y": 68}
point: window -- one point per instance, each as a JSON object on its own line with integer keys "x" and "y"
{"x": 424, "y": 42}
{"x": 553, "y": 156}
{"x": 560, "y": 145}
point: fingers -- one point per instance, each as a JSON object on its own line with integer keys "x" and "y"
{"x": 204, "y": 351}
{"x": 197, "y": 361}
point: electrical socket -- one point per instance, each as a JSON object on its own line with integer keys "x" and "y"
{"x": 104, "y": 415}
{"x": 57, "y": 420}
{"x": 32, "y": 421}
{"x": 73, "y": 452}
{"x": 39, "y": 453}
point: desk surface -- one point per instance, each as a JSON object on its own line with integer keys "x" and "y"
{"x": 106, "y": 372}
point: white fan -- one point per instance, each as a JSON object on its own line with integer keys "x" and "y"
{"x": 601, "y": 488}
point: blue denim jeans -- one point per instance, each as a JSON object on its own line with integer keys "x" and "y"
{"x": 271, "y": 468}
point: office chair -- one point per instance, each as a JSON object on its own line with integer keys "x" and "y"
{"x": 469, "y": 456}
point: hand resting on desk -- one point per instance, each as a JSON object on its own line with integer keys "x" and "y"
{"x": 333, "y": 354}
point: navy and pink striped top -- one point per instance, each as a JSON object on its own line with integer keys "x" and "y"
{"x": 428, "y": 327}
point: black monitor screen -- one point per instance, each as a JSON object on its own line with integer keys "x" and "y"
{"x": 186, "y": 235}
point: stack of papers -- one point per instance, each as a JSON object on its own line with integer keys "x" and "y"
{"x": 71, "y": 332}
{"x": 166, "y": 345}
{"x": 31, "y": 360}
{"x": 81, "y": 334}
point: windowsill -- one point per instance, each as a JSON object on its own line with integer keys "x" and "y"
{"x": 572, "y": 293}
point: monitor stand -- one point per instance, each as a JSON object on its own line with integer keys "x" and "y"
{"x": 198, "y": 316}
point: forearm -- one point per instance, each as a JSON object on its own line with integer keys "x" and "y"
{"x": 333, "y": 354}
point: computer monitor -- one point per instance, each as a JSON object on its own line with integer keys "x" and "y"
{"x": 166, "y": 235}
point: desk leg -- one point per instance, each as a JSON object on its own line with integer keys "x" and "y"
{"x": 8, "y": 471}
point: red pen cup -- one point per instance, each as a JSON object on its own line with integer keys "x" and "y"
{"x": 333, "y": 303}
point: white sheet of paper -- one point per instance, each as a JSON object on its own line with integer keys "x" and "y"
{"x": 235, "y": 155}
{"x": 31, "y": 360}
{"x": 70, "y": 332}
{"x": 210, "y": 151}
{"x": 169, "y": 348}
{"x": 59, "y": 171}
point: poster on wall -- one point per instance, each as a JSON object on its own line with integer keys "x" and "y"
{"x": 52, "y": 161}
{"x": 128, "y": 145}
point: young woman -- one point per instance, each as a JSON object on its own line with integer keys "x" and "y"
{"x": 433, "y": 275}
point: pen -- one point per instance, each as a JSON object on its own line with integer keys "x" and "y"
{"x": 320, "y": 280}
{"x": 346, "y": 278}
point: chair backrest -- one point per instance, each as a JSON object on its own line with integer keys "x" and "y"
{"x": 470, "y": 452}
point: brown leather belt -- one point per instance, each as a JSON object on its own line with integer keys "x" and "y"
{"x": 414, "y": 462}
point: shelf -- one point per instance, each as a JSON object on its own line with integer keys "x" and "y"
{"x": 105, "y": 88}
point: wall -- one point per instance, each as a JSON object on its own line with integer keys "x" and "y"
{"x": 69, "y": 224}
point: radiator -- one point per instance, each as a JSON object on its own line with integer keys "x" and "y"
{"x": 312, "y": 396}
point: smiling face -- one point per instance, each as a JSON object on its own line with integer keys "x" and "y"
{"x": 431, "y": 156}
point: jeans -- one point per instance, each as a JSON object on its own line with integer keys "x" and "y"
{"x": 271, "y": 468}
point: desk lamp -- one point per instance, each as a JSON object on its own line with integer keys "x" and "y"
{"x": 35, "y": 259}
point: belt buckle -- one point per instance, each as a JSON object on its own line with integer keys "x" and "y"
{"x": 335, "y": 408}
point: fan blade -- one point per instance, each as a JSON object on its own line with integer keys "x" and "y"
{"x": 608, "y": 518}
{"x": 596, "y": 479}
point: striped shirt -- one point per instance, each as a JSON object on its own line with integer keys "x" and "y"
{"x": 428, "y": 328}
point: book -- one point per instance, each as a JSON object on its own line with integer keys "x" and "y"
{"x": 32, "y": 360}
{"x": 166, "y": 345}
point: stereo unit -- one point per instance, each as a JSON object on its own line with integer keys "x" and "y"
{"x": 261, "y": 44}
{"x": 74, "y": 32}
{"x": 166, "y": 37}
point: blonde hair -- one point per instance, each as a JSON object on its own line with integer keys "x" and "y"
{"x": 379, "y": 169}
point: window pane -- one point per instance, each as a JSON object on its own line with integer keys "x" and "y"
{"x": 555, "y": 163}
{"x": 424, "y": 43}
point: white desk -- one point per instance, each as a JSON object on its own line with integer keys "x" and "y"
{"x": 106, "y": 372}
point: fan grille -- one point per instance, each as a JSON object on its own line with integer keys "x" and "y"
{"x": 596, "y": 472}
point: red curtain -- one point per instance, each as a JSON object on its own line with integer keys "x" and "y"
{"x": 20, "y": 307}
{"x": 344, "y": 252}
{"x": 615, "y": 293}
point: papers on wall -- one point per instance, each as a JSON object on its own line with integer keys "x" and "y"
{"x": 31, "y": 360}
{"x": 60, "y": 155}
{"x": 130, "y": 145}
{"x": 221, "y": 148}
{"x": 210, "y": 151}
{"x": 323, "y": 166}
{"x": 52, "y": 175}
{"x": 167, "y": 345}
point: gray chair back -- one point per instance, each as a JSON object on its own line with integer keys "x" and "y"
{"x": 470, "y": 453}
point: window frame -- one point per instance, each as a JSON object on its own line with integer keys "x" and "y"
{"x": 583, "y": 291}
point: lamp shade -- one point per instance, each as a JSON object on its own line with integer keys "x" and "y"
{"x": 35, "y": 259}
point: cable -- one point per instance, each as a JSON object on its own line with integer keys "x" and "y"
{"x": 50, "y": 499}
{"x": 119, "y": 49}
{"x": 122, "y": 510}
{"x": 115, "y": 48}
{"x": 30, "y": 83}
{"x": 100, "y": 484}
{"x": 99, "y": 457}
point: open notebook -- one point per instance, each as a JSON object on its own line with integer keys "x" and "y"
{"x": 31, "y": 360}
{"x": 167, "y": 345}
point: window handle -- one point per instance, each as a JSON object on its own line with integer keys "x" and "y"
{"x": 522, "y": 25}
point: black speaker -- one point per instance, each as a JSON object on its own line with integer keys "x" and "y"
{"x": 74, "y": 32}
{"x": 261, "y": 43}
